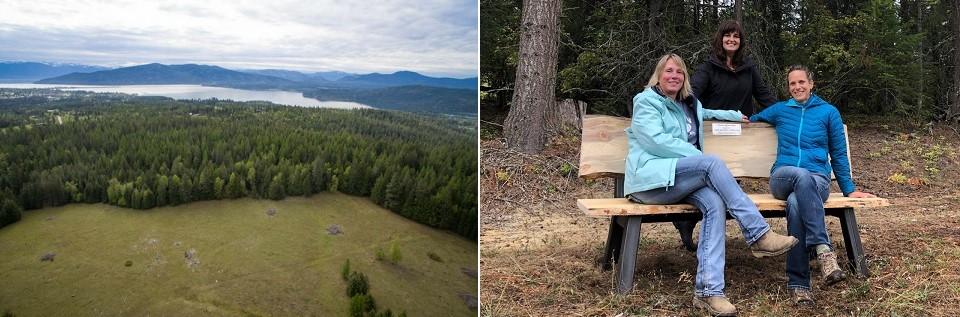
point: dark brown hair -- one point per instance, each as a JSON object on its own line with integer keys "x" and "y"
{"x": 730, "y": 26}
{"x": 797, "y": 67}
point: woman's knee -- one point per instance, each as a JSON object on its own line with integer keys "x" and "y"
{"x": 709, "y": 202}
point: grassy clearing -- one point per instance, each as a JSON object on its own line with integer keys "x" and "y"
{"x": 247, "y": 263}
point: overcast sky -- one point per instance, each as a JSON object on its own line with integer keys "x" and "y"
{"x": 433, "y": 37}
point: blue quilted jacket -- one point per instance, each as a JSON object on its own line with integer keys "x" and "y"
{"x": 806, "y": 134}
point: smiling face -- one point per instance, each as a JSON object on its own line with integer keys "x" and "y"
{"x": 731, "y": 42}
{"x": 671, "y": 79}
{"x": 799, "y": 85}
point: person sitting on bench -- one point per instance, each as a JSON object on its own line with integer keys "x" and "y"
{"x": 808, "y": 129}
{"x": 665, "y": 165}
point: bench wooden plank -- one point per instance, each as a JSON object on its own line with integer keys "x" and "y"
{"x": 604, "y": 147}
{"x": 606, "y": 207}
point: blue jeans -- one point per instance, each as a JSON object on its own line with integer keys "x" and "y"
{"x": 705, "y": 182}
{"x": 805, "y": 193}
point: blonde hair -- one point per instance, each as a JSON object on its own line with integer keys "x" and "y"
{"x": 655, "y": 78}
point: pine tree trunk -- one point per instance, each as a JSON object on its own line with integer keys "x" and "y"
{"x": 954, "y": 112}
{"x": 738, "y": 8}
{"x": 533, "y": 93}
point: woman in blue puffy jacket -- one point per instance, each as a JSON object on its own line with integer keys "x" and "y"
{"x": 665, "y": 165}
{"x": 808, "y": 130}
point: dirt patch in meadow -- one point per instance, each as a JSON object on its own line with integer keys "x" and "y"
{"x": 538, "y": 253}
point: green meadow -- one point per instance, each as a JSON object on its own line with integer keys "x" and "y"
{"x": 244, "y": 261}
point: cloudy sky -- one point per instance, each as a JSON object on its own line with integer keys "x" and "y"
{"x": 433, "y": 37}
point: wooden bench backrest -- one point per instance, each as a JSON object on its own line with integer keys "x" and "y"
{"x": 604, "y": 147}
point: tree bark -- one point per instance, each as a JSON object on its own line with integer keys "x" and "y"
{"x": 954, "y": 112}
{"x": 738, "y": 8}
{"x": 567, "y": 118}
{"x": 535, "y": 85}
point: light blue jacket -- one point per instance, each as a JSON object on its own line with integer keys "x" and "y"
{"x": 806, "y": 134}
{"x": 657, "y": 138}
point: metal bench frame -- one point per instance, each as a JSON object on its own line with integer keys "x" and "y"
{"x": 623, "y": 238}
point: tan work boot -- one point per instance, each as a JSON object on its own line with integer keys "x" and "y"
{"x": 802, "y": 297}
{"x": 832, "y": 274}
{"x": 716, "y": 305}
{"x": 772, "y": 244}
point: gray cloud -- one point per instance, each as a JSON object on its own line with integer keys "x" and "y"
{"x": 433, "y": 37}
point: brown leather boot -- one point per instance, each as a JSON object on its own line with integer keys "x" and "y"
{"x": 832, "y": 274}
{"x": 772, "y": 244}
{"x": 716, "y": 305}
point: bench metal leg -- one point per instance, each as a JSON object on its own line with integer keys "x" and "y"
{"x": 851, "y": 239}
{"x": 614, "y": 239}
{"x": 628, "y": 255}
{"x": 615, "y": 234}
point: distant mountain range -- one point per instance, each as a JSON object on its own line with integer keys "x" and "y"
{"x": 31, "y": 71}
{"x": 406, "y": 98}
{"x": 404, "y": 78}
{"x": 402, "y": 90}
{"x": 160, "y": 74}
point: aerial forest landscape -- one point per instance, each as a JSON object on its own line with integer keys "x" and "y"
{"x": 155, "y": 203}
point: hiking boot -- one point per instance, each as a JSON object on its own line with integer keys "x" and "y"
{"x": 832, "y": 274}
{"x": 803, "y": 297}
{"x": 686, "y": 234}
{"x": 716, "y": 305}
{"x": 772, "y": 244}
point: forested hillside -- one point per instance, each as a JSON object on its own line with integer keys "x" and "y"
{"x": 142, "y": 153}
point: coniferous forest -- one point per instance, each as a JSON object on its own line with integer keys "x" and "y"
{"x": 145, "y": 152}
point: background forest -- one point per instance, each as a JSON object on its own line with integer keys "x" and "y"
{"x": 877, "y": 57}
{"x": 145, "y": 152}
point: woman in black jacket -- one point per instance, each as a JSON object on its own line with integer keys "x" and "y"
{"x": 727, "y": 80}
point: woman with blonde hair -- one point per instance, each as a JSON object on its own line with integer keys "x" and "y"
{"x": 666, "y": 165}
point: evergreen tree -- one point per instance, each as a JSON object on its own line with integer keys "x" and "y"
{"x": 218, "y": 192}
{"x": 234, "y": 187}
{"x": 276, "y": 191}
{"x": 162, "y": 183}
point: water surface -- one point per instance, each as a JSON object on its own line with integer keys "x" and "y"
{"x": 203, "y": 92}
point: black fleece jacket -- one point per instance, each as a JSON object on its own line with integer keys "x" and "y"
{"x": 718, "y": 87}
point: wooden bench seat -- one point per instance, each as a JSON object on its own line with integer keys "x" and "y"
{"x": 749, "y": 155}
{"x": 606, "y": 207}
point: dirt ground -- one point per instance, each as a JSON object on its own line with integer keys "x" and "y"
{"x": 538, "y": 252}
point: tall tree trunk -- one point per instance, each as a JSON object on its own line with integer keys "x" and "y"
{"x": 655, "y": 29}
{"x": 533, "y": 93}
{"x": 954, "y": 112}
{"x": 738, "y": 8}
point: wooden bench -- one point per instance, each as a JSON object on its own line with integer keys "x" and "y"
{"x": 749, "y": 155}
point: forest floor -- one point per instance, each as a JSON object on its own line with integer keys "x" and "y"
{"x": 538, "y": 251}
{"x": 241, "y": 257}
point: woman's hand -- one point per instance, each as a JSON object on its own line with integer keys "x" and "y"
{"x": 744, "y": 119}
{"x": 860, "y": 194}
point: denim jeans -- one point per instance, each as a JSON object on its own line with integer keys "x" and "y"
{"x": 805, "y": 193}
{"x": 705, "y": 182}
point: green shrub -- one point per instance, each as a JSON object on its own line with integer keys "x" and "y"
{"x": 345, "y": 270}
{"x": 10, "y": 211}
{"x": 380, "y": 255}
{"x": 357, "y": 284}
{"x": 395, "y": 255}
{"x": 362, "y": 304}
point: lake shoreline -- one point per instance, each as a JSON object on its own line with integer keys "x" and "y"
{"x": 201, "y": 92}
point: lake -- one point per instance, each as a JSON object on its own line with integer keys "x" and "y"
{"x": 204, "y": 92}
